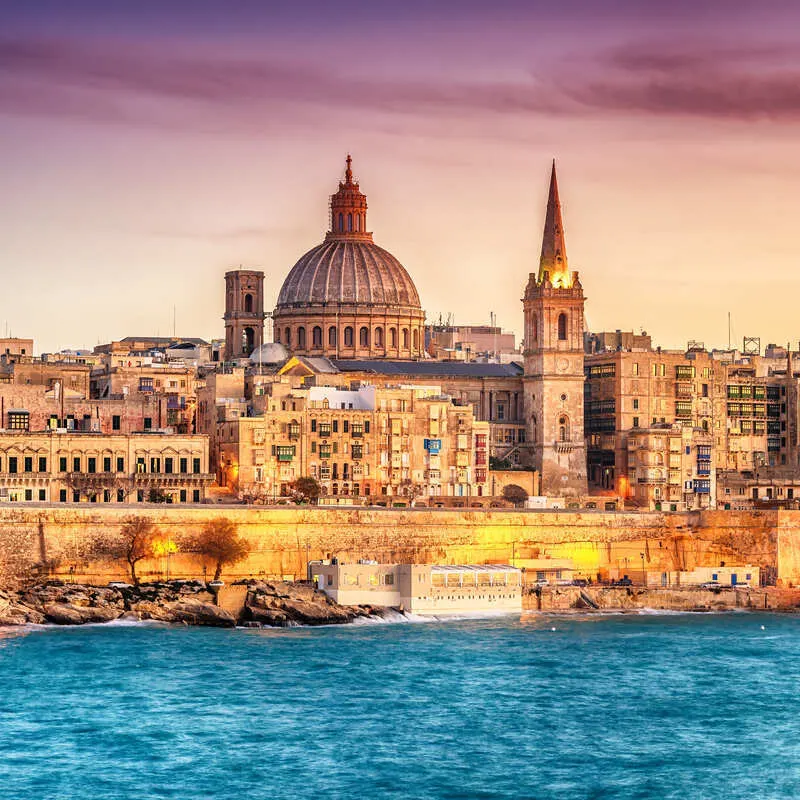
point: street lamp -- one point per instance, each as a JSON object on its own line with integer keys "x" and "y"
{"x": 644, "y": 574}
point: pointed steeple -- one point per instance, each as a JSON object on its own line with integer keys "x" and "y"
{"x": 553, "y": 260}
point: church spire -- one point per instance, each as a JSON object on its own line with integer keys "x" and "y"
{"x": 553, "y": 260}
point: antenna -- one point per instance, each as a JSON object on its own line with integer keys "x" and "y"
{"x": 729, "y": 330}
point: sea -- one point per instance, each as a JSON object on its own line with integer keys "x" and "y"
{"x": 648, "y": 705}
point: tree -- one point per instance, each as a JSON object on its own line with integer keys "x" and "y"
{"x": 305, "y": 490}
{"x": 219, "y": 541}
{"x": 136, "y": 541}
{"x": 515, "y": 494}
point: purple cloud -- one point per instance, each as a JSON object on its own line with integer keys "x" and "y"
{"x": 63, "y": 78}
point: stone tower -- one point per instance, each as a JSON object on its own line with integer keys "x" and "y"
{"x": 244, "y": 312}
{"x": 553, "y": 351}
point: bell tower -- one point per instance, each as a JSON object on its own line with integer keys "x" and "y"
{"x": 244, "y": 312}
{"x": 553, "y": 360}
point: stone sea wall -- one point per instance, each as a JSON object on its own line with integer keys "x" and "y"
{"x": 64, "y": 541}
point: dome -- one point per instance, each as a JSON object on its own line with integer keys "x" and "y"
{"x": 269, "y": 353}
{"x": 349, "y": 271}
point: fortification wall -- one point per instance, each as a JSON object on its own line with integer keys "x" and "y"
{"x": 284, "y": 539}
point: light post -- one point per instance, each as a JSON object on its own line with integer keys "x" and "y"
{"x": 644, "y": 574}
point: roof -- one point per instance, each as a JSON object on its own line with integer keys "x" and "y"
{"x": 474, "y": 568}
{"x": 453, "y": 369}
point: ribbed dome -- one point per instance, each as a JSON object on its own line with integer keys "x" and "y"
{"x": 349, "y": 270}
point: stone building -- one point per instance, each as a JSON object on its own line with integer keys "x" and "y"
{"x": 58, "y": 466}
{"x": 244, "y": 312}
{"x": 347, "y": 297}
{"x": 553, "y": 353}
{"x": 381, "y": 444}
{"x": 670, "y": 468}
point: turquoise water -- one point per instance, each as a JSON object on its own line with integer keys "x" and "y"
{"x": 667, "y": 706}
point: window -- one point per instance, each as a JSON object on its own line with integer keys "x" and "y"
{"x": 12, "y": 464}
{"x": 91, "y": 464}
{"x": 148, "y": 423}
{"x": 378, "y": 337}
{"x": 348, "y": 336}
{"x": 635, "y": 403}
{"x": 405, "y": 338}
{"x": 636, "y": 422}
{"x": 363, "y": 337}
{"x": 635, "y": 369}
{"x": 183, "y": 465}
{"x": 140, "y": 467}
{"x": 415, "y": 339}
{"x": 196, "y": 466}
{"x": 106, "y": 464}
{"x": 42, "y": 464}
{"x": 62, "y": 495}
{"x": 76, "y": 464}
{"x": 120, "y": 495}
{"x": 120, "y": 464}
{"x": 248, "y": 303}
{"x": 155, "y": 465}
{"x": 563, "y": 429}
{"x": 115, "y": 422}
{"x": 195, "y": 495}
{"x": 169, "y": 465}
{"x": 28, "y": 464}
{"x": 562, "y": 327}
{"x": 287, "y": 337}
{"x": 316, "y": 336}
{"x": 392, "y": 337}
{"x": 18, "y": 420}
{"x": 331, "y": 336}
{"x": 301, "y": 337}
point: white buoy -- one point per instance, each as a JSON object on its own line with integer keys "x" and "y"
{"x": 552, "y": 629}
{"x": 763, "y": 628}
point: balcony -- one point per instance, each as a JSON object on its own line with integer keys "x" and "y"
{"x": 285, "y": 457}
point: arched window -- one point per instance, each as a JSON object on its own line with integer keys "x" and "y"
{"x": 301, "y": 337}
{"x": 341, "y": 223}
{"x": 534, "y": 327}
{"x": 378, "y": 337}
{"x": 563, "y": 429}
{"x": 415, "y": 339}
{"x": 248, "y": 303}
{"x": 348, "y": 336}
{"x": 358, "y": 222}
{"x": 405, "y": 338}
{"x": 287, "y": 337}
{"x": 392, "y": 337}
{"x": 363, "y": 337}
{"x": 277, "y": 336}
{"x": 316, "y": 336}
{"x": 350, "y": 223}
{"x": 363, "y": 221}
{"x": 332, "y": 336}
{"x": 562, "y": 327}
{"x": 248, "y": 341}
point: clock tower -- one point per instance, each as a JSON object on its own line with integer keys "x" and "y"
{"x": 553, "y": 353}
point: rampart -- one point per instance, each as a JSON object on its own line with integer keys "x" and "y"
{"x": 65, "y": 541}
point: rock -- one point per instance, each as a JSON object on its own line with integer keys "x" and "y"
{"x": 145, "y": 609}
{"x": 196, "y": 612}
{"x": 67, "y": 614}
{"x": 266, "y": 616}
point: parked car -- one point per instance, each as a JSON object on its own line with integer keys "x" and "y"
{"x": 119, "y": 585}
{"x": 580, "y": 582}
{"x": 711, "y": 585}
{"x": 623, "y": 581}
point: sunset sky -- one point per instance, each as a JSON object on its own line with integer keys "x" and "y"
{"x": 147, "y": 147}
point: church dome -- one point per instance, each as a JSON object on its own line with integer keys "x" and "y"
{"x": 269, "y": 353}
{"x": 348, "y": 298}
{"x": 349, "y": 271}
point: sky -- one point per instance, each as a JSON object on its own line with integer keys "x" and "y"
{"x": 147, "y": 147}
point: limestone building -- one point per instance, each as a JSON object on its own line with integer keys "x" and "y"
{"x": 59, "y": 466}
{"x": 553, "y": 360}
{"x": 244, "y": 312}
{"x": 347, "y": 297}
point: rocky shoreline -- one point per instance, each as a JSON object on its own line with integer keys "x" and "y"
{"x": 274, "y": 604}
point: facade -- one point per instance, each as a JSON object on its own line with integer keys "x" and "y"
{"x": 437, "y": 590}
{"x": 553, "y": 358}
{"x": 470, "y": 342}
{"x": 379, "y": 445}
{"x": 670, "y": 468}
{"x": 70, "y": 467}
{"x": 244, "y": 312}
{"x": 347, "y": 297}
